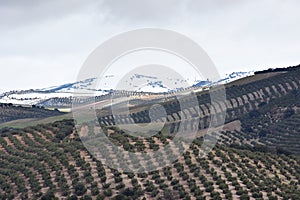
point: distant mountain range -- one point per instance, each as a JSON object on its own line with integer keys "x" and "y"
{"x": 35, "y": 96}
{"x": 152, "y": 84}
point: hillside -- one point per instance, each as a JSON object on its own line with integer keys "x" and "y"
{"x": 257, "y": 155}
{"x": 49, "y": 160}
{"x": 260, "y": 104}
{"x": 9, "y": 112}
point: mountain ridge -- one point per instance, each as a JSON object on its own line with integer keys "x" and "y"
{"x": 35, "y": 96}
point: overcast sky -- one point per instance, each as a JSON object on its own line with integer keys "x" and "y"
{"x": 44, "y": 43}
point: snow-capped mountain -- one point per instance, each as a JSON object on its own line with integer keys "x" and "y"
{"x": 69, "y": 86}
{"x": 226, "y": 79}
{"x": 36, "y": 96}
{"x": 138, "y": 82}
{"x": 234, "y": 76}
{"x": 146, "y": 83}
{"x": 202, "y": 83}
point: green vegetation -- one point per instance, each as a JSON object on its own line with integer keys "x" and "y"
{"x": 45, "y": 158}
{"x": 9, "y": 112}
{"x": 49, "y": 160}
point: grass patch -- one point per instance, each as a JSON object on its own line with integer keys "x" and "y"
{"x": 22, "y": 123}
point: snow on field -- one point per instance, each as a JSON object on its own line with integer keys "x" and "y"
{"x": 31, "y": 98}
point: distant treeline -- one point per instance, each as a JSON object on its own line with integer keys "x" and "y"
{"x": 291, "y": 68}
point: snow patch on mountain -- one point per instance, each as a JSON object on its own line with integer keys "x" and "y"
{"x": 36, "y": 96}
{"x": 235, "y": 76}
{"x": 69, "y": 87}
{"x": 31, "y": 98}
{"x": 226, "y": 79}
{"x": 153, "y": 86}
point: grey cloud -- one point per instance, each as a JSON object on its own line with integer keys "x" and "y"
{"x": 15, "y": 14}
{"x": 142, "y": 10}
{"x": 57, "y": 35}
{"x": 163, "y": 10}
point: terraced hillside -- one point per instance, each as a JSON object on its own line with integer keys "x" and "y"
{"x": 274, "y": 125}
{"x": 48, "y": 161}
{"x": 240, "y": 99}
{"x": 268, "y": 109}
